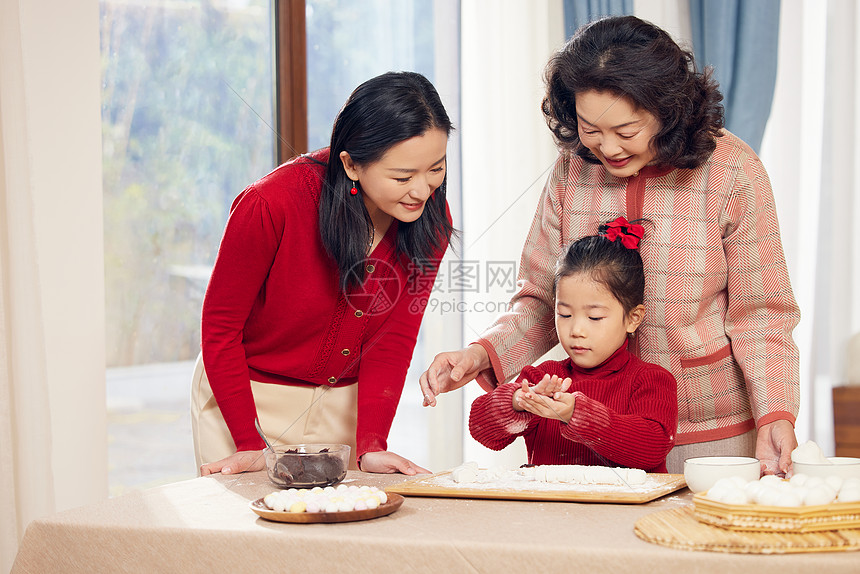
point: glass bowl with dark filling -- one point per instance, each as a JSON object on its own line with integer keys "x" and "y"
{"x": 307, "y": 465}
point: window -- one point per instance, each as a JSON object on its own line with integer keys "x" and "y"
{"x": 188, "y": 121}
{"x": 186, "y": 116}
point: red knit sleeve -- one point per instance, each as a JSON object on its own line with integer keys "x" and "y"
{"x": 493, "y": 422}
{"x": 639, "y": 439}
{"x": 248, "y": 247}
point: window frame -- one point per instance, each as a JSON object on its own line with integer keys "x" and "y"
{"x": 291, "y": 85}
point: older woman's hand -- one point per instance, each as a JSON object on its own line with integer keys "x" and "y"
{"x": 451, "y": 370}
{"x": 773, "y": 447}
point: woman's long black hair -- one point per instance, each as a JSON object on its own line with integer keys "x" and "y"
{"x": 379, "y": 114}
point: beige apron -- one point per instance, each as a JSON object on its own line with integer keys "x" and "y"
{"x": 741, "y": 445}
{"x": 287, "y": 414}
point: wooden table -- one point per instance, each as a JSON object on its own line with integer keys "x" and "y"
{"x": 205, "y": 525}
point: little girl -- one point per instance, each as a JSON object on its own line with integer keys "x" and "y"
{"x": 602, "y": 406}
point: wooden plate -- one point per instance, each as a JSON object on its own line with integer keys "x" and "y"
{"x": 393, "y": 503}
{"x": 438, "y": 485}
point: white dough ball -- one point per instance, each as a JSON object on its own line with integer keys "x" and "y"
{"x": 789, "y": 498}
{"x": 753, "y": 488}
{"x": 813, "y": 482}
{"x": 731, "y": 495}
{"x": 801, "y": 491}
{"x": 770, "y": 479}
{"x": 849, "y": 493}
{"x": 739, "y": 480}
{"x": 835, "y": 482}
{"x": 270, "y": 499}
{"x": 799, "y": 479}
{"x": 818, "y": 495}
{"x": 717, "y": 492}
{"x": 769, "y": 497}
{"x": 809, "y": 452}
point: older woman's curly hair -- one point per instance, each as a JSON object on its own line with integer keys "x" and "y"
{"x": 631, "y": 58}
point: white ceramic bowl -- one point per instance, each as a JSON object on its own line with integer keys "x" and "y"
{"x": 702, "y": 472}
{"x": 843, "y": 467}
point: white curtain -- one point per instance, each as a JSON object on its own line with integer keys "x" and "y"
{"x": 812, "y": 148}
{"x": 507, "y": 151}
{"x": 52, "y": 409}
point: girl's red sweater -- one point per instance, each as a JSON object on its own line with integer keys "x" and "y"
{"x": 625, "y": 414}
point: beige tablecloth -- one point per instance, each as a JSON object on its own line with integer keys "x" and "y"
{"x": 205, "y": 525}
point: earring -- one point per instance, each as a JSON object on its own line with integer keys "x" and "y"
{"x": 354, "y": 190}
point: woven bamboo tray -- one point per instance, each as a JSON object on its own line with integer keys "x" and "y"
{"x": 756, "y": 517}
{"x": 678, "y": 528}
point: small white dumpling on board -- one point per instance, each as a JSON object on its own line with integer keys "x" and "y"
{"x": 466, "y": 472}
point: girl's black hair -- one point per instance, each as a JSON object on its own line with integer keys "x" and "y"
{"x": 631, "y": 58}
{"x": 610, "y": 263}
{"x": 379, "y": 114}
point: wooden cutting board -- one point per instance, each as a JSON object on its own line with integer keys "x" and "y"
{"x": 441, "y": 485}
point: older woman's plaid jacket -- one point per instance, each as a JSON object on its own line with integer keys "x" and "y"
{"x": 719, "y": 306}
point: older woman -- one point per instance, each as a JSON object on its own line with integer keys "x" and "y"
{"x": 640, "y": 132}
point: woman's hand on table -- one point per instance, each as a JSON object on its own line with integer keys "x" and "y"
{"x": 773, "y": 447}
{"x": 451, "y": 370}
{"x": 387, "y": 462}
{"x": 242, "y": 461}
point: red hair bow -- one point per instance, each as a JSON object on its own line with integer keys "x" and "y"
{"x": 630, "y": 233}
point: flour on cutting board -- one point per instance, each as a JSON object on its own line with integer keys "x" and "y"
{"x": 546, "y": 478}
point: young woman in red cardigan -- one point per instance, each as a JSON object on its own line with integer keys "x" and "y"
{"x": 640, "y": 134}
{"x": 318, "y": 290}
{"x": 601, "y": 406}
